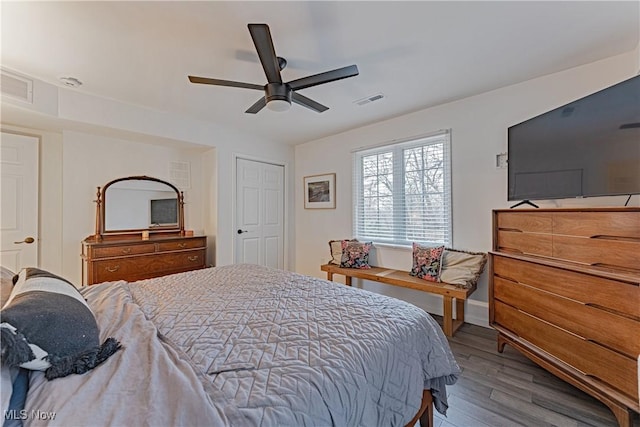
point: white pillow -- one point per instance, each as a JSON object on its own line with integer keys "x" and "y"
{"x": 335, "y": 247}
{"x": 6, "y": 284}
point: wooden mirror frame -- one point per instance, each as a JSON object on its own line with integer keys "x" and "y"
{"x": 101, "y": 210}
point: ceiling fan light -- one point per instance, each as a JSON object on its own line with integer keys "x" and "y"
{"x": 278, "y": 105}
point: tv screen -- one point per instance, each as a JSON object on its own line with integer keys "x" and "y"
{"x": 590, "y": 147}
{"x": 164, "y": 212}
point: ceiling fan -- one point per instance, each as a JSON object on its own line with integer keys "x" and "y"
{"x": 278, "y": 95}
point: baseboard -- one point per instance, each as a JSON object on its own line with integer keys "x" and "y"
{"x": 477, "y": 313}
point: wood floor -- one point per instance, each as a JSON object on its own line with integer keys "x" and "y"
{"x": 509, "y": 390}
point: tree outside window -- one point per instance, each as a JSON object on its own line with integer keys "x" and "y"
{"x": 403, "y": 192}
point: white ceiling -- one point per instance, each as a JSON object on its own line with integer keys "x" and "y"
{"x": 418, "y": 54}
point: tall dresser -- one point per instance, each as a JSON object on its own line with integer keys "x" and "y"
{"x": 565, "y": 291}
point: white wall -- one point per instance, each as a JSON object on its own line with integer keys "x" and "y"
{"x": 88, "y": 141}
{"x": 229, "y": 143}
{"x": 479, "y": 132}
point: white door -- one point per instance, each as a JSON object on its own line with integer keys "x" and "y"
{"x": 259, "y": 213}
{"x": 19, "y": 198}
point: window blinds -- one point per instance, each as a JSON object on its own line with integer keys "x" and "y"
{"x": 402, "y": 191}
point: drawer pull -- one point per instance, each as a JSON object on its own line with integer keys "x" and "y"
{"x": 182, "y": 245}
{"x": 112, "y": 269}
{"x": 126, "y": 250}
{"x": 193, "y": 258}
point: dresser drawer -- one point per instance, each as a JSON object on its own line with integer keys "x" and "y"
{"x": 624, "y": 254}
{"x": 181, "y": 244}
{"x": 173, "y": 262}
{"x": 531, "y": 222}
{"x": 146, "y": 266}
{"x": 129, "y": 269}
{"x": 596, "y": 224}
{"x": 593, "y": 324}
{"x": 525, "y": 243}
{"x": 611, "y": 368}
{"x": 123, "y": 250}
{"x": 617, "y": 296}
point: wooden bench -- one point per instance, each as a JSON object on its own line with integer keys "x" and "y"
{"x": 402, "y": 278}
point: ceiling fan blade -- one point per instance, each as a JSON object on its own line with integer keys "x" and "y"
{"x": 326, "y": 77}
{"x": 309, "y": 103}
{"x": 264, "y": 45}
{"x": 259, "y": 105}
{"x": 218, "y": 82}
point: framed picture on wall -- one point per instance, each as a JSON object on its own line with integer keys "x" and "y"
{"x": 320, "y": 191}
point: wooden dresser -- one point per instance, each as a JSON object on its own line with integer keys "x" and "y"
{"x": 565, "y": 291}
{"x": 122, "y": 257}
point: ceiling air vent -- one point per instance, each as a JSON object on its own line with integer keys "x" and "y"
{"x": 16, "y": 86}
{"x": 369, "y": 99}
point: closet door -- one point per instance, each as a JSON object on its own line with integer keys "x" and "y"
{"x": 259, "y": 213}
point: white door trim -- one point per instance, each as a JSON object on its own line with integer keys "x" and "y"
{"x": 234, "y": 200}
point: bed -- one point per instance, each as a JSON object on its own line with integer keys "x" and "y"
{"x": 245, "y": 345}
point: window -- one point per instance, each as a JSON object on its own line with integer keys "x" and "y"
{"x": 402, "y": 191}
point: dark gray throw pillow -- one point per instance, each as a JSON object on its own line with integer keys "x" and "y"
{"x": 48, "y": 326}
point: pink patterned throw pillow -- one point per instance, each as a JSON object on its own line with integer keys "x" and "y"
{"x": 427, "y": 262}
{"x": 355, "y": 254}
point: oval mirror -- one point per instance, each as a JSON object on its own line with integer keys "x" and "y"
{"x": 139, "y": 203}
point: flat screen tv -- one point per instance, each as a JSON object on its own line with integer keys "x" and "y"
{"x": 589, "y": 147}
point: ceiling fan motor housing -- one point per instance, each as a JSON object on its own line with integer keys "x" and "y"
{"x": 279, "y": 91}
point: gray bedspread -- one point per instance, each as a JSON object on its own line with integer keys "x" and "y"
{"x": 246, "y": 345}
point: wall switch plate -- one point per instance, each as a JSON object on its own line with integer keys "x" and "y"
{"x": 501, "y": 161}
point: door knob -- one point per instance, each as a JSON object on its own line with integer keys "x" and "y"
{"x": 28, "y": 241}
{"x": 242, "y": 231}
